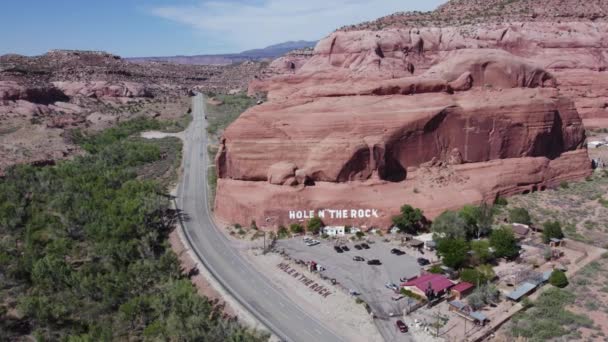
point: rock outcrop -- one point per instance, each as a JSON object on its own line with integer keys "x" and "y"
{"x": 378, "y": 119}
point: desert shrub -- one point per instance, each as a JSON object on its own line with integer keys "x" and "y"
{"x": 501, "y": 201}
{"x": 479, "y": 275}
{"x": 548, "y": 318}
{"x": 296, "y": 228}
{"x": 411, "y": 294}
{"x": 282, "y": 232}
{"x": 435, "y": 269}
{"x": 519, "y": 215}
{"x": 558, "y": 279}
{"x": 552, "y": 229}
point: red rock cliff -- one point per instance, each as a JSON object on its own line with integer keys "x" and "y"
{"x": 436, "y": 118}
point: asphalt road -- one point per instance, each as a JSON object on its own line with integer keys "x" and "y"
{"x": 255, "y": 292}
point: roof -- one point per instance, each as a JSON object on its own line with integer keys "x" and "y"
{"x": 478, "y": 316}
{"x": 522, "y": 290}
{"x": 438, "y": 282}
{"x": 547, "y": 275}
{"x": 457, "y": 304}
{"x": 463, "y": 287}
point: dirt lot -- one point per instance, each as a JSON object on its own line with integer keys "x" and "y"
{"x": 366, "y": 279}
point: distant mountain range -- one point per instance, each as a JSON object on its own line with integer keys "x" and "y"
{"x": 269, "y": 52}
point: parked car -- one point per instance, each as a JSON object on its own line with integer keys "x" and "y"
{"x": 358, "y": 258}
{"x": 345, "y": 249}
{"x": 364, "y": 245}
{"x": 312, "y": 243}
{"x": 391, "y": 286}
{"x": 374, "y": 262}
{"x": 338, "y": 249}
{"x": 397, "y": 251}
{"x": 423, "y": 261}
{"x": 401, "y": 326}
{"x": 358, "y": 247}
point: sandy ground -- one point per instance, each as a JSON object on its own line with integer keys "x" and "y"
{"x": 339, "y": 310}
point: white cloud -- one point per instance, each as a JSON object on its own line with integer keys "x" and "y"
{"x": 239, "y": 26}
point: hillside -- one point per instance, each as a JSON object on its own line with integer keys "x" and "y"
{"x": 465, "y": 12}
{"x": 269, "y": 52}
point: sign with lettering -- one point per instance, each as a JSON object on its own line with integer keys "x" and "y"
{"x": 333, "y": 213}
{"x": 310, "y": 283}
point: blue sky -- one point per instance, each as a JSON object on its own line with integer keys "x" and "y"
{"x": 180, "y": 27}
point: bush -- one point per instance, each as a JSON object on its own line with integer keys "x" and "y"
{"x": 501, "y": 201}
{"x": 558, "y": 279}
{"x": 481, "y": 252}
{"x": 479, "y": 275}
{"x": 520, "y": 215}
{"x": 282, "y": 232}
{"x": 411, "y": 294}
{"x": 359, "y": 235}
{"x": 296, "y": 228}
{"x": 564, "y": 185}
{"x": 314, "y": 225}
{"x": 435, "y": 269}
{"x": 551, "y": 230}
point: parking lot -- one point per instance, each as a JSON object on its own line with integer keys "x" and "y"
{"x": 368, "y": 280}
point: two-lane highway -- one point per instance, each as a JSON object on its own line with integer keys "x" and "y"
{"x": 255, "y": 292}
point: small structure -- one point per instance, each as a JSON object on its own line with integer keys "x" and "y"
{"x": 429, "y": 286}
{"x": 555, "y": 242}
{"x": 334, "y": 230}
{"x": 395, "y": 230}
{"x": 461, "y": 289}
{"x": 466, "y": 312}
{"x": 521, "y": 231}
{"x": 522, "y": 290}
{"x": 354, "y": 230}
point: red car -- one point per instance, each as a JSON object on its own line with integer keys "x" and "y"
{"x": 401, "y": 326}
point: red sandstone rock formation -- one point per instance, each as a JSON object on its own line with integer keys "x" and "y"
{"x": 378, "y": 119}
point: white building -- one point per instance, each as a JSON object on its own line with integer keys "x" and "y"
{"x": 334, "y": 230}
{"x": 354, "y": 230}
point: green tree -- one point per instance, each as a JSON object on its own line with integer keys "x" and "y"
{"x": 520, "y": 215}
{"x": 552, "y": 229}
{"x": 410, "y": 220}
{"x": 314, "y": 225}
{"x": 478, "y": 219}
{"x": 296, "y": 228}
{"x": 449, "y": 225}
{"x": 453, "y": 252}
{"x": 558, "y": 279}
{"x": 481, "y": 252}
{"x": 504, "y": 243}
{"x": 479, "y": 275}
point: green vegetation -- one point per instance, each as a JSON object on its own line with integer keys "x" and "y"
{"x": 552, "y": 230}
{"x": 453, "y": 252}
{"x": 282, "y": 233}
{"x": 482, "y": 274}
{"x": 449, "y": 225}
{"x": 314, "y": 225}
{"x": 501, "y": 201}
{"x": 481, "y": 252}
{"x": 520, "y": 215}
{"x": 296, "y": 228}
{"x": 482, "y": 296}
{"x": 410, "y": 220}
{"x": 435, "y": 269}
{"x": 84, "y": 251}
{"x": 478, "y": 219}
{"x": 558, "y": 279}
{"x": 548, "y": 319}
{"x": 504, "y": 243}
{"x": 231, "y": 107}
{"x": 411, "y": 294}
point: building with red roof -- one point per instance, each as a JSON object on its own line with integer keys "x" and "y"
{"x": 429, "y": 285}
{"x": 461, "y": 289}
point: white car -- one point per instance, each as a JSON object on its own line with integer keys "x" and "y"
{"x": 311, "y": 243}
{"x": 391, "y": 286}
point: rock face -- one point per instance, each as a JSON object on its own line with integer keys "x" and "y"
{"x": 431, "y": 117}
{"x": 574, "y": 52}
